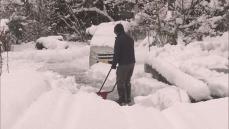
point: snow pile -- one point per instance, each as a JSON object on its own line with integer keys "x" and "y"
{"x": 70, "y": 111}
{"x": 143, "y": 84}
{"x": 146, "y": 91}
{"x": 104, "y": 33}
{"x": 59, "y": 109}
{"x": 211, "y": 114}
{"x": 195, "y": 66}
{"x": 53, "y": 42}
{"x": 195, "y": 88}
{"x": 146, "y": 85}
{"x": 58, "y": 81}
{"x": 163, "y": 98}
{"x": 19, "y": 89}
{"x": 22, "y": 88}
{"x": 216, "y": 81}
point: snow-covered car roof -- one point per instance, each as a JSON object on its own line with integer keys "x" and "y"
{"x": 103, "y": 34}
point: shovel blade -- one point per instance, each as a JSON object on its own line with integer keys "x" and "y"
{"x": 102, "y": 94}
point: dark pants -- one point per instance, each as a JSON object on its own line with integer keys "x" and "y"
{"x": 123, "y": 77}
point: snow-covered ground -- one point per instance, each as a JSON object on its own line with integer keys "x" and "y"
{"x": 55, "y": 89}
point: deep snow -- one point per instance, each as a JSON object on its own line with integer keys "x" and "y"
{"x": 41, "y": 92}
{"x": 194, "y": 67}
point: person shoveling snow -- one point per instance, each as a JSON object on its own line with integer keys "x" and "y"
{"x": 124, "y": 56}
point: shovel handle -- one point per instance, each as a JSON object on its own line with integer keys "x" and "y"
{"x": 113, "y": 87}
{"x": 105, "y": 80}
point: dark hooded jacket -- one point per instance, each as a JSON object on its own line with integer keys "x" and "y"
{"x": 123, "y": 49}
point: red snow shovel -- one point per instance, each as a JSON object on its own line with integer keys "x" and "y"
{"x": 104, "y": 94}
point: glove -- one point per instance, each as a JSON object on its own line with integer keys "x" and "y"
{"x": 110, "y": 62}
{"x": 113, "y": 66}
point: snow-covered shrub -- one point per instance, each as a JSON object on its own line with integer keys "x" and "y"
{"x": 51, "y": 42}
{"x": 193, "y": 19}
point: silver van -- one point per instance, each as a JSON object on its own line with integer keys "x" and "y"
{"x": 102, "y": 42}
{"x": 100, "y": 54}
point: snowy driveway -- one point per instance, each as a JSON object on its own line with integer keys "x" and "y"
{"x": 33, "y": 97}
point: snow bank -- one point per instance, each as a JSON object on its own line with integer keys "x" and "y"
{"x": 197, "y": 60}
{"x": 217, "y": 82}
{"x": 56, "y": 80}
{"x": 86, "y": 111}
{"x": 211, "y": 114}
{"x": 46, "y": 100}
{"x": 104, "y": 33}
{"x": 19, "y": 89}
{"x": 59, "y": 109}
{"x": 163, "y": 98}
{"x": 22, "y": 88}
{"x": 146, "y": 85}
{"x": 218, "y": 85}
{"x": 142, "y": 83}
{"x": 53, "y": 42}
{"x": 146, "y": 91}
{"x": 195, "y": 88}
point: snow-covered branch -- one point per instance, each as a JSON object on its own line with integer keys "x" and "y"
{"x": 95, "y": 10}
{"x": 211, "y": 21}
